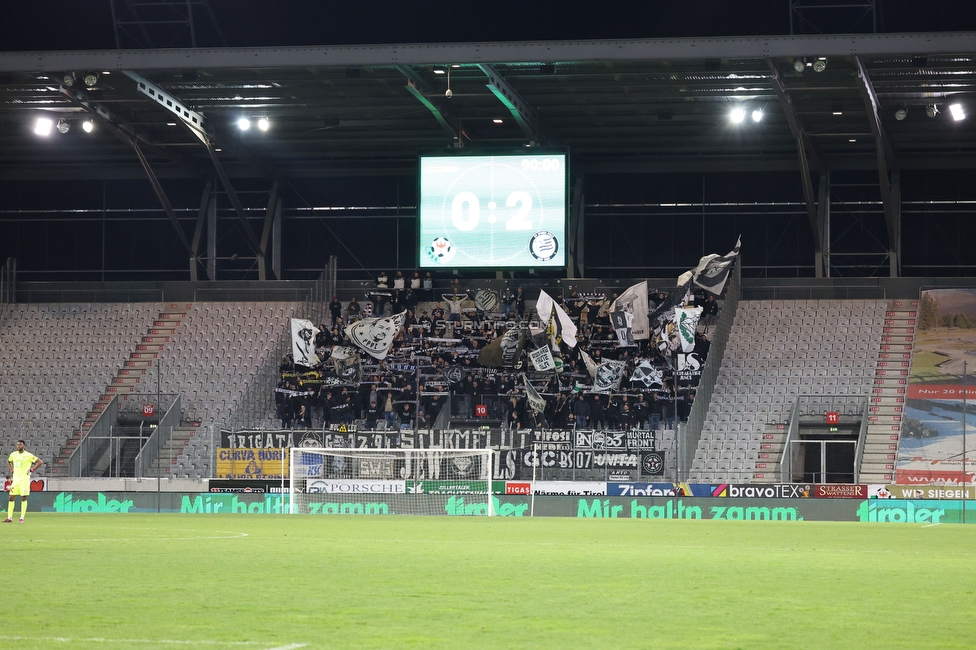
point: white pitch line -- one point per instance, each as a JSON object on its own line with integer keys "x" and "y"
{"x": 205, "y": 642}
{"x": 157, "y": 538}
{"x": 293, "y": 646}
{"x": 930, "y": 525}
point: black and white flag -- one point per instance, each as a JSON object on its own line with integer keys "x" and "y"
{"x": 303, "y": 342}
{"x": 633, "y": 301}
{"x": 536, "y": 401}
{"x": 712, "y": 271}
{"x": 559, "y": 326}
{"x": 589, "y": 363}
{"x": 622, "y": 327}
{"x": 608, "y": 376}
{"x": 486, "y": 300}
{"x": 376, "y": 335}
{"x": 647, "y": 374}
{"x": 664, "y": 312}
{"x": 542, "y": 359}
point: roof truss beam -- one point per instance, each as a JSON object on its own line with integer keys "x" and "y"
{"x": 127, "y": 135}
{"x": 885, "y": 156}
{"x": 422, "y": 91}
{"x": 671, "y": 49}
{"x": 532, "y": 127}
{"x": 806, "y": 151}
{"x": 196, "y": 124}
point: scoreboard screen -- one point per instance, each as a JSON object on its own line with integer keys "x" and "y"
{"x": 498, "y": 212}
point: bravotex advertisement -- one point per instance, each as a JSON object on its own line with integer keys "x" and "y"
{"x": 931, "y": 446}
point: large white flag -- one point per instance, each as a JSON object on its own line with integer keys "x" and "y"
{"x": 634, "y": 302}
{"x": 303, "y": 342}
{"x": 376, "y": 335}
{"x": 712, "y": 271}
{"x": 559, "y": 326}
{"x": 686, "y": 322}
{"x": 542, "y": 359}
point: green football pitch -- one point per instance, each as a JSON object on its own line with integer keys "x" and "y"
{"x": 264, "y": 581}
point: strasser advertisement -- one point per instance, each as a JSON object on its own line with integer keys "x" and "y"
{"x": 492, "y": 211}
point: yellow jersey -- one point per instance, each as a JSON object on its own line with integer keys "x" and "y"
{"x": 22, "y": 462}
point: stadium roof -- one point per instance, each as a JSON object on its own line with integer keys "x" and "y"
{"x": 617, "y": 105}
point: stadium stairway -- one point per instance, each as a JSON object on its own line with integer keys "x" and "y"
{"x": 128, "y": 379}
{"x": 887, "y": 401}
{"x": 170, "y": 454}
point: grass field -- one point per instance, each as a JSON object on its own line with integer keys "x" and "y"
{"x": 246, "y": 581}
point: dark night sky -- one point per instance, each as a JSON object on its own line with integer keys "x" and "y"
{"x": 51, "y": 24}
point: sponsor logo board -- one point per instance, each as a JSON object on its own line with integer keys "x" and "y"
{"x": 840, "y": 491}
{"x": 349, "y": 486}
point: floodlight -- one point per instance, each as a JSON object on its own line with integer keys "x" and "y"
{"x": 263, "y": 124}
{"x": 43, "y": 126}
{"x": 799, "y": 64}
{"x": 757, "y": 115}
{"x": 243, "y": 124}
{"x": 497, "y": 120}
{"x": 63, "y": 126}
{"x": 820, "y": 65}
{"x": 931, "y": 110}
{"x": 68, "y": 80}
{"x": 737, "y": 115}
{"x": 901, "y": 114}
{"x": 91, "y": 79}
{"x": 957, "y": 112}
{"x": 88, "y": 126}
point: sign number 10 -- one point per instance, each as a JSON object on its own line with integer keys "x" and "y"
{"x": 469, "y": 221}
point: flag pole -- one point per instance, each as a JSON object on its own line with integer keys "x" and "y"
{"x": 965, "y": 477}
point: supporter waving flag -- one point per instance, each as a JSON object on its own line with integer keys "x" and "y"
{"x": 559, "y": 326}
{"x": 713, "y": 270}
{"x": 376, "y": 335}
{"x": 536, "y": 401}
{"x": 303, "y": 342}
{"x": 633, "y": 301}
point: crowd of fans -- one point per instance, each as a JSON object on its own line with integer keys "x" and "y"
{"x": 434, "y": 363}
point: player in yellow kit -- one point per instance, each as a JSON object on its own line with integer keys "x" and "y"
{"x": 21, "y": 464}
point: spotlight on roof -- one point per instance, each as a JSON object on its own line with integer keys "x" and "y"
{"x": 88, "y": 126}
{"x": 497, "y": 120}
{"x": 43, "y": 126}
{"x": 931, "y": 110}
{"x": 757, "y": 115}
{"x": 91, "y": 79}
{"x": 243, "y": 124}
{"x": 63, "y": 126}
{"x": 799, "y": 64}
{"x": 68, "y": 80}
{"x": 440, "y": 71}
{"x": 957, "y": 112}
{"x": 820, "y": 64}
{"x": 737, "y": 115}
{"x": 901, "y": 114}
{"x": 263, "y": 124}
